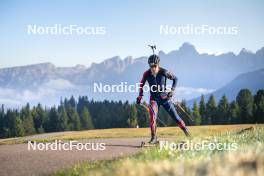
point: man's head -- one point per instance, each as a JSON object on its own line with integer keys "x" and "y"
{"x": 153, "y": 62}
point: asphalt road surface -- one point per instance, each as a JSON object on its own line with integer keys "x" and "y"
{"x": 16, "y": 159}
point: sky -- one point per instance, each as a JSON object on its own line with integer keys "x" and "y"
{"x": 129, "y": 27}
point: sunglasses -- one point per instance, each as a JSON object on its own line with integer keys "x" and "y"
{"x": 153, "y": 66}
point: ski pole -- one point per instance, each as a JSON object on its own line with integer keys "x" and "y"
{"x": 182, "y": 109}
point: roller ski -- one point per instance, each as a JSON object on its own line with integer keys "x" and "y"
{"x": 152, "y": 143}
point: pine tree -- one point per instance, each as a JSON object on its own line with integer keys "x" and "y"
{"x": 233, "y": 113}
{"x": 121, "y": 115}
{"x": 2, "y": 115}
{"x": 10, "y": 123}
{"x": 18, "y": 127}
{"x": 53, "y": 120}
{"x": 72, "y": 102}
{"x": 211, "y": 110}
{"x": 86, "y": 121}
{"x": 202, "y": 110}
{"x": 196, "y": 114}
{"x": 6, "y": 123}
{"x": 259, "y": 106}
{"x": 13, "y": 124}
{"x": 132, "y": 118}
{"x": 74, "y": 119}
{"x": 245, "y": 101}
{"x": 63, "y": 119}
{"x": 222, "y": 111}
{"x": 27, "y": 119}
{"x": 39, "y": 118}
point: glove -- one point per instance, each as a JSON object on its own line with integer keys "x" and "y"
{"x": 139, "y": 99}
{"x": 170, "y": 94}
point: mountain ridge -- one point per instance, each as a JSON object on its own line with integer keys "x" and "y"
{"x": 195, "y": 72}
{"x": 253, "y": 81}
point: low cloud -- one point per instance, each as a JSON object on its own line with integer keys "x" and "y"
{"x": 49, "y": 93}
{"x": 58, "y": 84}
{"x": 44, "y": 93}
{"x": 190, "y": 92}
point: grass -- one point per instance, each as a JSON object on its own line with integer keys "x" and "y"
{"x": 124, "y": 133}
{"x": 248, "y": 159}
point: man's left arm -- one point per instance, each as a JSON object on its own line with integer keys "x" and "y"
{"x": 172, "y": 77}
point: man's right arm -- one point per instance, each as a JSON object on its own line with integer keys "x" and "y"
{"x": 142, "y": 83}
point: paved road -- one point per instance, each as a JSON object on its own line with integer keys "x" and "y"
{"x": 16, "y": 159}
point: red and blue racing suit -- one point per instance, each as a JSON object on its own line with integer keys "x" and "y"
{"x": 159, "y": 96}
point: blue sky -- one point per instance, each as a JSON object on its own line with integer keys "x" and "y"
{"x": 130, "y": 27}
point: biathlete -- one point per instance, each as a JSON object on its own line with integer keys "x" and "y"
{"x": 156, "y": 77}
